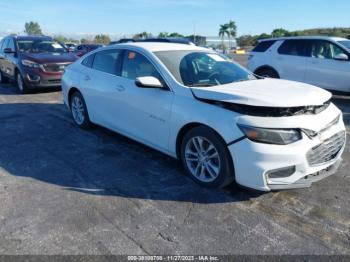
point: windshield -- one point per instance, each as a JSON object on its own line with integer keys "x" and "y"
{"x": 346, "y": 44}
{"x": 193, "y": 68}
{"x": 40, "y": 46}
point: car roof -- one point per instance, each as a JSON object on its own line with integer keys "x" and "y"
{"x": 305, "y": 38}
{"x": 160, "y": 46}
{"x": 32, "y": 37}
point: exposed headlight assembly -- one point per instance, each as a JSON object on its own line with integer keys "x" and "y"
{"x": 31, "y": 64}
{"x": 271, "y": 136}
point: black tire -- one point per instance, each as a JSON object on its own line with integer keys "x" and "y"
{"x": 85, "y": 123}
{"x": 21, "y": 85}
{"x": 268, "y": 72}
{"x": 226, "y": 171}
{"x": 3, "y": 79}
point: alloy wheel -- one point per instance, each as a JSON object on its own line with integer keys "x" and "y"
{"x": 202, "y": 159}
{"x": 78, "y": 111}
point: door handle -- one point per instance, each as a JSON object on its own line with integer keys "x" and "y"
{"x": 120, "y": 88}
{"x": 87, "y": 78}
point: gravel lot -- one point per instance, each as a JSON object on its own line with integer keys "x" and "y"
{"x": 68, "y": 191}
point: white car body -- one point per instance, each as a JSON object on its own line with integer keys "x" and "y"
{"x": 156, "y": 117}
{"x": 319, "y": 70}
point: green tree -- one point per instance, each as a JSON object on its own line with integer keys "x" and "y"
{"x": 84, "y": 41}
{"x": 60, "y": 38}
{"x": 231, "y": 31}
{"x": 102, "y": 39}
{"x": 32, "y": 28}
{"x": 280, "y": 32}
{"x": 142, "y": 35}
{"x": 175, "y": 34}
{"x": 222, "y": 32}
{"x": 163, "y": 34}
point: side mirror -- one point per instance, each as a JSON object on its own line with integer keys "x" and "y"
{"x": 341, "y": 57}
{"x": 9, "y": 51}
{"x": 148, "y": 82}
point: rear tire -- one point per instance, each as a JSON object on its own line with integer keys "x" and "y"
{"x": 206, "y": 158}
{"x": 79, "y": 111}
{"x": 21, "y": 85}
{"x": 3, "y": 79}
{"x": 267, "y": 72}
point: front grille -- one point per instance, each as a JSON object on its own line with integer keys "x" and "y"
{"x": 55, "y": 68}
{"x": 326, "y": 151}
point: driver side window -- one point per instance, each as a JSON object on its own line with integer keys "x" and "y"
{"x": 136, "y": 65}
{"x": 325, "y": 50}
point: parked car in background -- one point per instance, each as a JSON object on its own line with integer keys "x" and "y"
{"x": 221, "y": 121}
{"x": 122, "y": 41}
{"x": 33, "y": 61}
{"x": 168, "y": 40}
{"x": 70, "y": 46}
{"x": 320, "y": 61}
{"x": 83, "y": 49}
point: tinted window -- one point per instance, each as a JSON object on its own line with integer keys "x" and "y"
{"x": 345, "y": 43}
{"x": 107, "y": 61}
{"x": 295, "y": 48}
{"x": 325, "y": 50}
{"x": 136, "y": 65}
{"x": 88, "y": 61}
{"x": 263, "y": 46}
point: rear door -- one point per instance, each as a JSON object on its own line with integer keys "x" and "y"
{"x": 323, "y": 70}
{"x": 291, "y": 59}
{"x": 101, "y": 85}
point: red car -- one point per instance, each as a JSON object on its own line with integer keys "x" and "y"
{"x": 83, "y": 49}
{"x": 33, "y": 61}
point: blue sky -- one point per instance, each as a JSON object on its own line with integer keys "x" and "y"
{"x": 118, "y": 17}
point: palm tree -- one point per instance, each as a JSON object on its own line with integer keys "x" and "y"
{"x": 222, "y": 32}
{"x": 232, "y": 31}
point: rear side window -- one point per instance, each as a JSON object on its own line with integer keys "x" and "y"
{"x": 295, "y": 48}
{"x": 263, "y": 46}
{"x": 88, "y": 61}
{"x": 107, "y": 61}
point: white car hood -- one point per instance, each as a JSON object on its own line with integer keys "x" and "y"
{"x": 266, "y": 93}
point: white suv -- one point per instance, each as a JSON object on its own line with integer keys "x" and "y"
{"x": 320, "y": 61}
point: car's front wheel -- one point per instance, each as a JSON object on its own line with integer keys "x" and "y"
{"x": 21, "y": 85}
{"x": 206, "y": 158}
{"x": 79, "y": 111}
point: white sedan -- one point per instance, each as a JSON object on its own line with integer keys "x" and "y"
{"x": 223, "y": 123}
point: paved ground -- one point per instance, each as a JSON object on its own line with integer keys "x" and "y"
{"x": 68, "y": 191}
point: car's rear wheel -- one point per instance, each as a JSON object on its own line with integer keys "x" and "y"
{"x": 21, "y": 85}
{"x": 79, "y": 111}
{"x": 206, "y": 158}
{"x": 268, "y": 72}
{"x": 3, "y": 79}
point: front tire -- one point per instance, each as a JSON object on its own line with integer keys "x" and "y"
{"x": 206, "y": 158}
{"x": 79, "y": 111}
{"x": 21, "y": 85}
{"x": 268, "y": 72}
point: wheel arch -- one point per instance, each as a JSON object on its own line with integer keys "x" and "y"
{"x": 187, "y": 127}
{"x": 71, "y": 91}
{"x": 264, "y": 67}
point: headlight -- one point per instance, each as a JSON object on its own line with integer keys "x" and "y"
{"x": 31, "y": 64}
{"x": 271, "y": 136}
